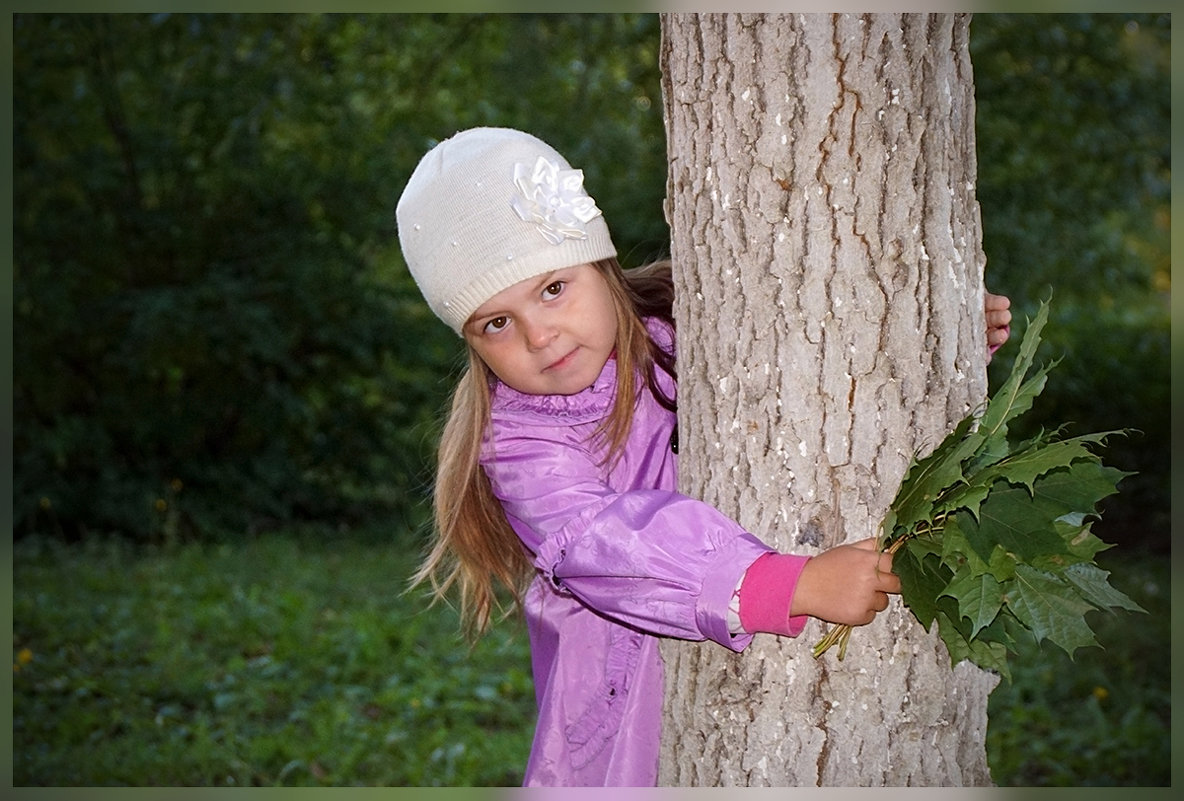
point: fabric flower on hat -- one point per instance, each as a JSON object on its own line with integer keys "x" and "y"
{"x": 554, "y": 200}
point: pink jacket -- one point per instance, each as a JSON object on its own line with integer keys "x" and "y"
{"x": 622, "y": 560}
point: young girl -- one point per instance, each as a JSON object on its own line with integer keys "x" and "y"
{"x": 557, "y": 465}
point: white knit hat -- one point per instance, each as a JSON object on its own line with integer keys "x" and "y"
{"x": 488, "y": 208}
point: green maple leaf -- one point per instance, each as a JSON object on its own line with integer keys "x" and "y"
{"x": 928, "y": 477}
{"x": 955, "y": 548}
{"x": 922, "y": 578}
{"x": 989, "y": 653}
{"x": 1040, "y": 602}
{"x": 979, "y": 596}
{"x": 1091, "y": 581}
{"x": 969, "y": 496}
{"x": 1041, "y": 457}
{"x": 1081, "y": 541}
{"x": 1077, "y": 488}
{"x": 988, "y": 648}
{"x": 993, "y": 450}
{"x": 1002, "y": 564}
{"x": 1025, "y": 521}
{"x": 1013, "y": 518}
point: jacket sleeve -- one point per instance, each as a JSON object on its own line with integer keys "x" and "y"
{"x": 652, "y": 559}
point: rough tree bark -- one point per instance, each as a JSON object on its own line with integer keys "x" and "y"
{"x": 829, "y": 278}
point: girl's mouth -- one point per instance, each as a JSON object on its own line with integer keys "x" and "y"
{"x": 562, "y": 362}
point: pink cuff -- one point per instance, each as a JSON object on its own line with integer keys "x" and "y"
{"x": 766, "y": 593}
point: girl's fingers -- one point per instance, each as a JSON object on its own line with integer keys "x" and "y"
{"x": 886, "y": 580}
{"x": 889, "y": 581}
{"x": 992, "y": 302}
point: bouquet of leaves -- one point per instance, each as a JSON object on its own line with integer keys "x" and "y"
{"x": 992, "y": 539}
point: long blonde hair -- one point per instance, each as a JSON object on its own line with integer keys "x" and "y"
{"x": 474, "y": 549}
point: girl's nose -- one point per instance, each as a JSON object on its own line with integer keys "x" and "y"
{"x": 538, "y": 333}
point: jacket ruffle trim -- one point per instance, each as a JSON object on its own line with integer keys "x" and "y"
{"x": 586, "y": 406}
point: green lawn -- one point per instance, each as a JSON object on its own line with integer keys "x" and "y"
{"x": 274, "y": 662}
{"x": 297, "y": 661}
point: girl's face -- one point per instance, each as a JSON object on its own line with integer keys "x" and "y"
{"x": 547, "y": 335}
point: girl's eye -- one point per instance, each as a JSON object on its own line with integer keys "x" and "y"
{"x": 553, "y": 289}
{"x": 496, "y": 324}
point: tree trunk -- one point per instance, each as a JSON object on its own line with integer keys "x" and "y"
{"x": 827, "y": 249}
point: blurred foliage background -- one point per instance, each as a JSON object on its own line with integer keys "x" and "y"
{"x": 213, "y": 329}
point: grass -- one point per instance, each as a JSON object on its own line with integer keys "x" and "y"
{"x": 288, "y": 661}
{"x": 275, "y": 662}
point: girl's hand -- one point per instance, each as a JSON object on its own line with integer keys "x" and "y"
{"x": 847, "y": 584}
{"x": 997, "y": 309}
